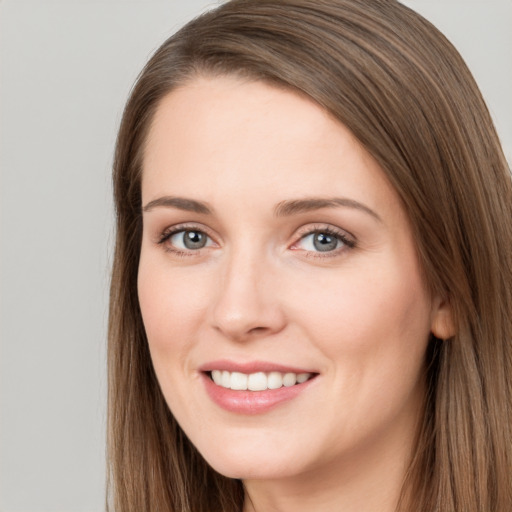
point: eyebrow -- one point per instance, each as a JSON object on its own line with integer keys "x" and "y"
{"x": 181, "y": 203}
{"x": 296, "y": 206}
{"x": 282, "y": 209}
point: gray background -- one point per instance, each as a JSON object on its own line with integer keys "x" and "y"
{"x": 66, "y": 69}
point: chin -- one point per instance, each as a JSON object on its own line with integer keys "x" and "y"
{"x": 268, "y": 470}
{"x": 252, "y": 462}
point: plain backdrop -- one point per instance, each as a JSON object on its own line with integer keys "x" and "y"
{"x": 66, "y": 69}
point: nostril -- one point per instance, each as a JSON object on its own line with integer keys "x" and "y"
{"x": 256, "y": 330}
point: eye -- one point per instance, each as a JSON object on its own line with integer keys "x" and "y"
{"x": 323, "y": 241}
{"x": 186, "y": 240}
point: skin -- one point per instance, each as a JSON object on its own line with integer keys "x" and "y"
{"x": 359, "y": 316}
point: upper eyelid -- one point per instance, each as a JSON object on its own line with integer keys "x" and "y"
{"x": 303, "y": 230}
{"x": 347, "y": 240}
{"x": 319, "y": 228}
{"x": 176, "y": 228}
{"x": 165, "y": 235}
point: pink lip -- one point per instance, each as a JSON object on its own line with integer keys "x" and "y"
{"x": 251, "y": 367}
{"x": 251, "y": 402}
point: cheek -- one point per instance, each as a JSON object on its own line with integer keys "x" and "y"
{"x": 172, "y": 305}
{"x": 376, "y": 314}
{"x": 373, "y": 333}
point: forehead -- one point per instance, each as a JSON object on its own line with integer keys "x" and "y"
{"x": 224, "y": 135}
{"x": 216, "y": 111}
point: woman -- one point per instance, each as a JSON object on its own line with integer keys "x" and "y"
{"x": 311, "y": 294}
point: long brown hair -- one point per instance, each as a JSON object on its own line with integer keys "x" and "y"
{"x": 406, "y": 94}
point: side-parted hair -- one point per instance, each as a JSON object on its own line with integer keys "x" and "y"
{"x": 403, "y": 90}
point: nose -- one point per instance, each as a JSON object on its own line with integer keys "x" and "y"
{"x": 247, "y": 303}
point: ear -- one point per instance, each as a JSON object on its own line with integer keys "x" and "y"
{"x": 443, "y": 325}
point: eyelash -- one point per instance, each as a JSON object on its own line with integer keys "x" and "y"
{"x": 169, "y": 233}
{"x": 347, "y": 240}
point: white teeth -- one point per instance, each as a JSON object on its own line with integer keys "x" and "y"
{"x": 303, "y": 377}
{"x": 238, "y": 381}
{"x": 259, "y": 381}
{"x": 217, "y": 377}
{"x": 289, "y": 379}
{"x": 275, "y": 380}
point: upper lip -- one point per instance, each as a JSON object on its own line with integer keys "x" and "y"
{"x": 251, "y": 367}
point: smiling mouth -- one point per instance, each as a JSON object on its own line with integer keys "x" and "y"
{"x": 258, "y": 381}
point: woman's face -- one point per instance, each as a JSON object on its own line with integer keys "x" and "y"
{"x": 277, "y": 257}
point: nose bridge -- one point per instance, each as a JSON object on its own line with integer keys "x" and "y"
{"x": 245, "y": 300}
{"x": 242, "y": 270}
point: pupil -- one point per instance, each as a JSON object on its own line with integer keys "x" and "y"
{"x": 194, "y": 240}
{"x": 324, "y": 242}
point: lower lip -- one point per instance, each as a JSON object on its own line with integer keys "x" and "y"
{"x": 251, "y": 402}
